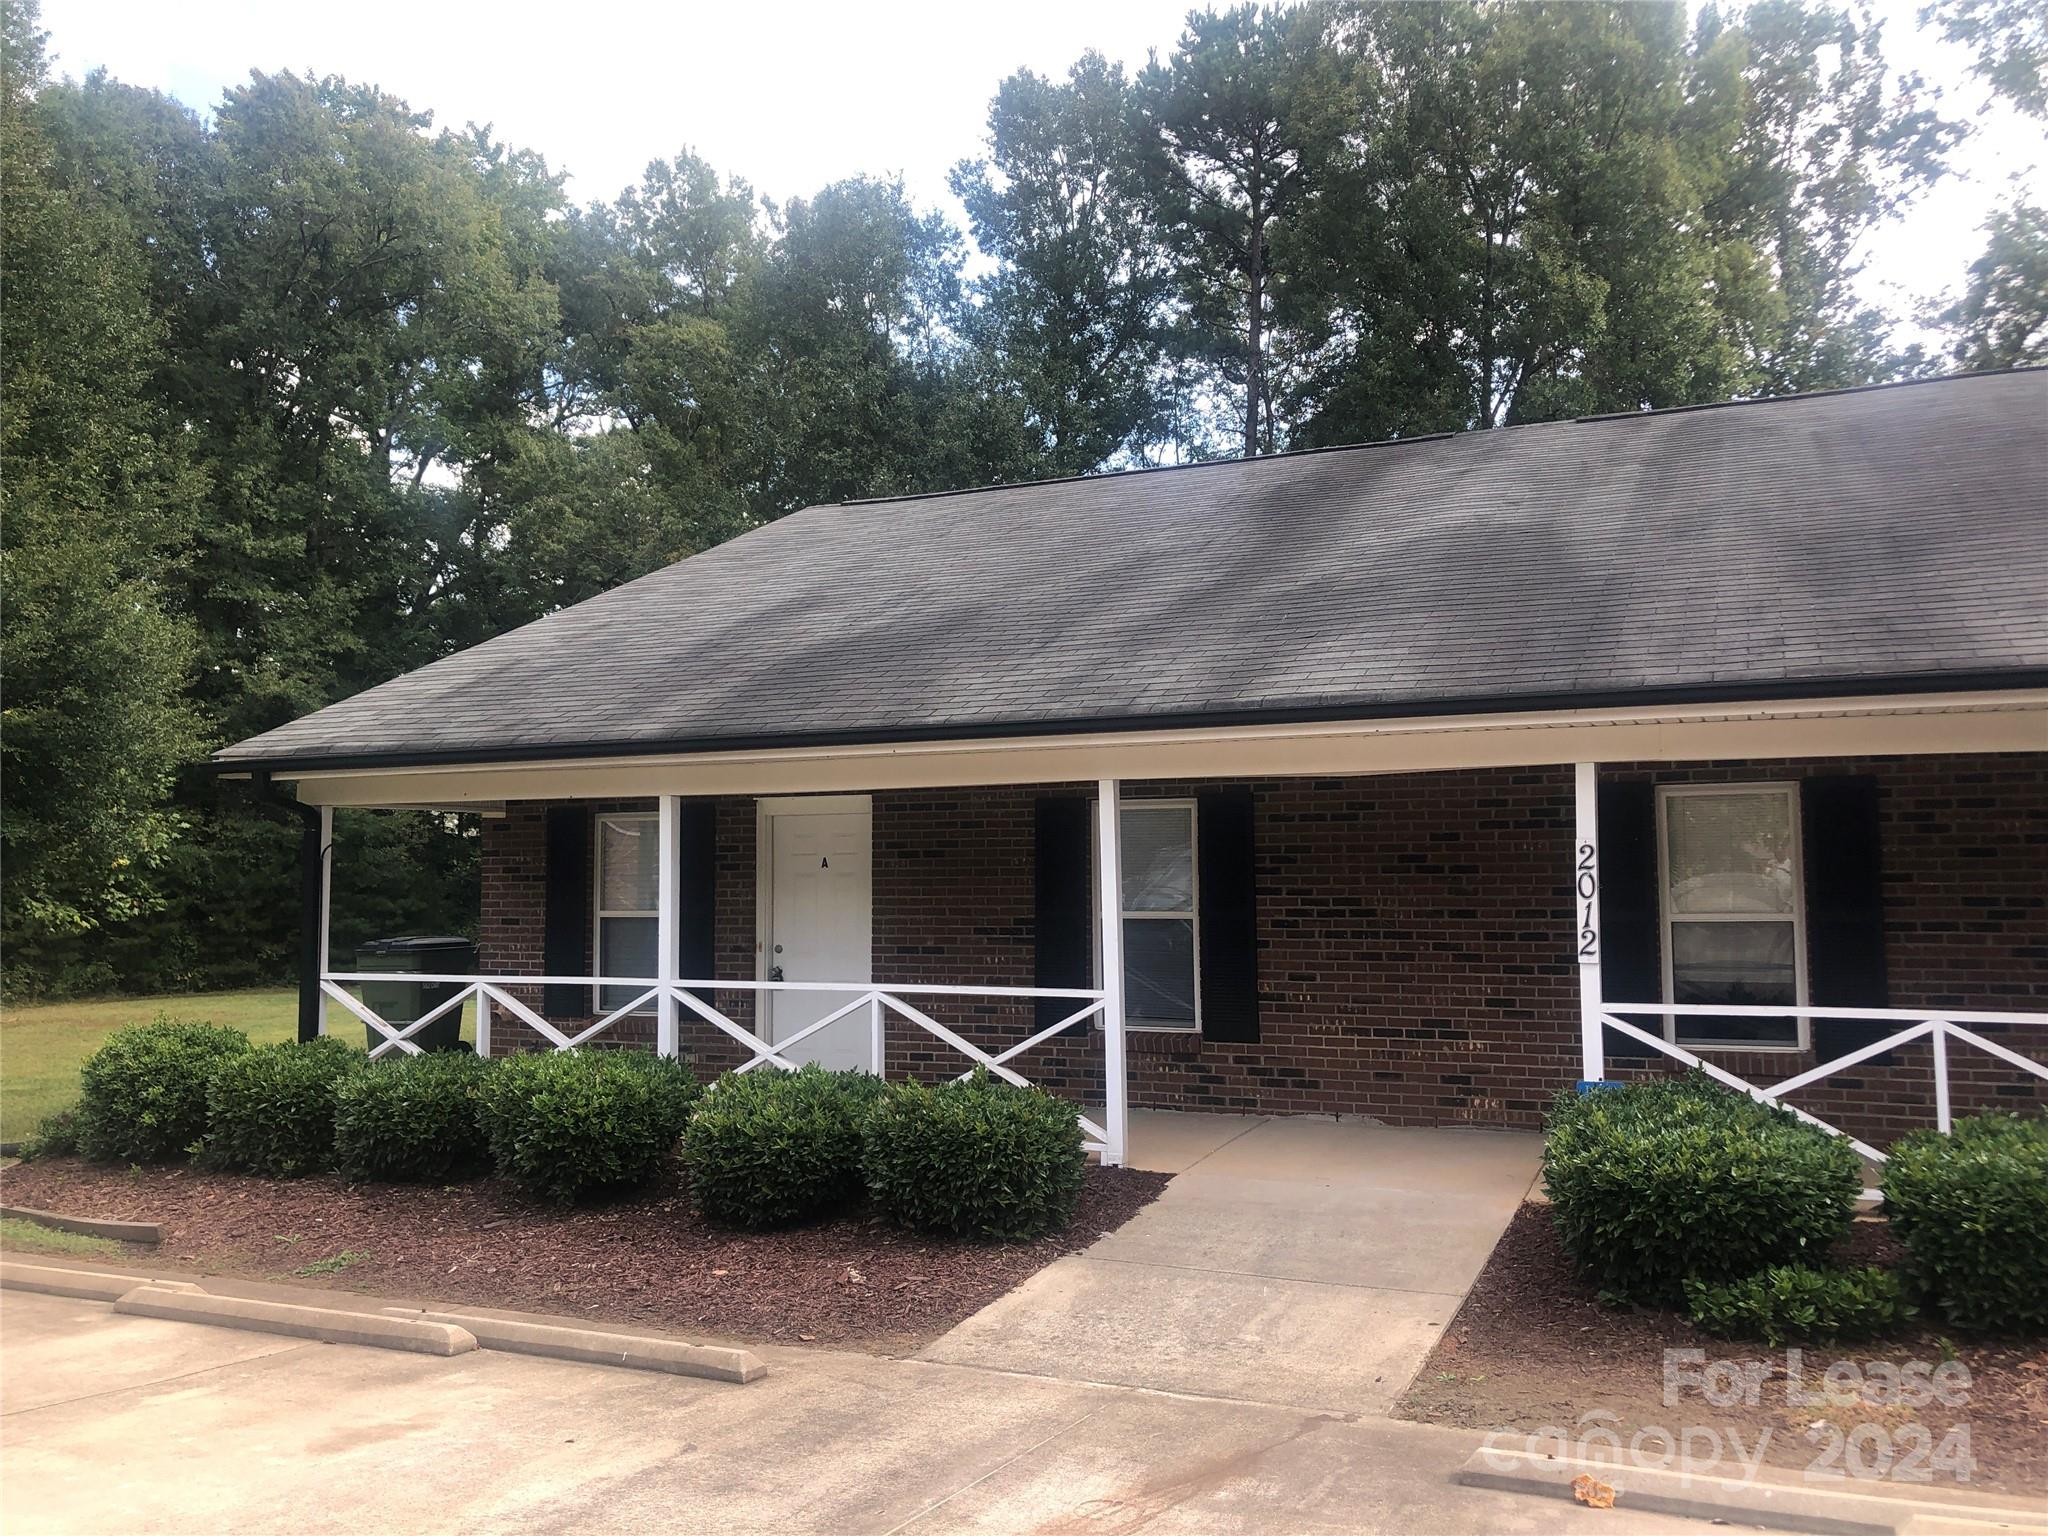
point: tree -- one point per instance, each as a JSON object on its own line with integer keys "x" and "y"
{"x": 657, "y": 275}
{"x": 1504, "y": 235}
{"x": 2011, "y": 39}
{"x": 1237, "y": 122}
{"x": 633, "y": 456}
{"x": 2001, "y": 320}
{"x": 1829, "y": 146}
{"x": 852, "y": 325}
{"x": 1546, "y": 210}
{"x": 1071, "y": 320}
{"x": 96, "y": 505}
{"x": 353, "y": 324}
{"x": 373, "y": 323}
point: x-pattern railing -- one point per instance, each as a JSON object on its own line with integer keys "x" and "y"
{"x": 1938, "y": 1029}
{"x": 875, "y": 1001}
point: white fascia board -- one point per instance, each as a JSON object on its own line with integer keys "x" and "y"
{"x": 1891, "y": 725}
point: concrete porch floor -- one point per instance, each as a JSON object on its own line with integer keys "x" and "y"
{"x": 1302, "y": 1262}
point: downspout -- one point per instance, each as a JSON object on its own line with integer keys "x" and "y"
{"x": 310, "y": 914}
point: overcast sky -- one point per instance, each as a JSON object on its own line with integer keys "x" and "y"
{"x": 792, "y": 94}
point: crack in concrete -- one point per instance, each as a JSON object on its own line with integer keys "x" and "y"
{"x": 1007, "y": 1461}
{"x": 1191, "y": 1167}
{"x": 159, "y": 1381}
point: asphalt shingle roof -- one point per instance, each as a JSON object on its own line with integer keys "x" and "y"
{"x": 1894, "y": 536}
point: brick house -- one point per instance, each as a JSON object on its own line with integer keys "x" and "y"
{"x": 1417, "y": 780}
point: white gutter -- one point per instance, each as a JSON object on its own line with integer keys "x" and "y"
{"x": 1869, "y": 725}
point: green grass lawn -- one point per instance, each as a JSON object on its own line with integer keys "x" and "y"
{"x": 26, "y": 1237}
{"x": 42, "y": 1048}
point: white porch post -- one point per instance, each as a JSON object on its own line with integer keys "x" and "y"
{"x": 1109, "y": 906}
{"x": 668, "y": 924}
{"x": 1586, "y": 931}
{"x": 326, "y": 901}
{"x": 1938, "y": 1041}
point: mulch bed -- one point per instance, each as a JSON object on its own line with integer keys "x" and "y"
{"x": 646, "y": 1259}
{"x": 1533, "y": 1347}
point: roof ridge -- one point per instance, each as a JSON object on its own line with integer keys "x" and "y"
{"x": 1145, "y": 469}
{"x": 1803, "y": 394}
{"x": 1430, "y": 437}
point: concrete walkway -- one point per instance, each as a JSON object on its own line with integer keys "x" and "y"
{"x": 131, "y": 1424}
{"x": 1300, "y": 1262}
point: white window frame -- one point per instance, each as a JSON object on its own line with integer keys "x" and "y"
{"x": 1193, "y": 916}
{"x": 599, "y": 912}
{"x": 1788, "y": 790}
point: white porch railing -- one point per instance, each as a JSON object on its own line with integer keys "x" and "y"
{"x": 1939, "y": 1029}
{"x": 876, "y": 1001}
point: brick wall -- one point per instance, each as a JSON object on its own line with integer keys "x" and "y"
{"x": 514, "y": 910}
{"x": 1414, "y": 937}
{"x": 954, "y": 897}
{"x": 1414, "y": 957}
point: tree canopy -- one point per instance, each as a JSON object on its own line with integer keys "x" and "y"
{"x": 317, "y": 389}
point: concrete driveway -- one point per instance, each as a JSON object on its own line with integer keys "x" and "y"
{"x": 121, "y": 1423}
{"x": 1301, "y": 1262}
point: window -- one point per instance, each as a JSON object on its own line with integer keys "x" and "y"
{"x": 1160, "y": 916}
{"x": 1732, "y": 919}
{"x": 628, "y": 887}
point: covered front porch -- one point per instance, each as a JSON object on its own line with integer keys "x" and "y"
{"x": 1412, "y": 923}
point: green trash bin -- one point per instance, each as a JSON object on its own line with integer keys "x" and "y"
{"x": 398, "y": 1003}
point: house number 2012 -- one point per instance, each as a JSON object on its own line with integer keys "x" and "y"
{"x": 1588, "y": 876}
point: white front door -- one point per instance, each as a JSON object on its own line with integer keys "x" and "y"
{"x": 820, "y": 923}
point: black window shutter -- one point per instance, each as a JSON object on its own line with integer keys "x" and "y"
{"x": 1063, "y": 877}
{"x": 697, "y": 915}
{"x": 1844, "y": 909}
{"x": 566, "y": 926}
{"x": 1230, "y": 916}
{"x": 1631, "y": 965}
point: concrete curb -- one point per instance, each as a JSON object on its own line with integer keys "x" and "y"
{"x": 429, "y": 1332}
{"x": 1777, "y": 1506}
{"x": 83, "y": 1284}
{"x": 89, "y": 1226}
{"x": 590, "y": 1347}
{"x": 188, "y": 1304}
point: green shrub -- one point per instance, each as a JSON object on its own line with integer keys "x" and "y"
{"x": 55, "y": 1135}
{"x": 412, "y": 1119}
{"x": 769, "y": 1148}
{"x": 1795, "y": 1303}
{"x": 566, "y": 1125}
{"x": 143, "y": 1093}
{"x": 271, "y": 1111}
{"x": 1653, "y": 1184}
{"x": 979, "y": 1158}
{"x": 1972, "y": 1208}
{"x": 674, "y": 1087}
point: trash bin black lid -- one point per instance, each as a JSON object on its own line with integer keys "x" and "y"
{"x": 415, "y": 944}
